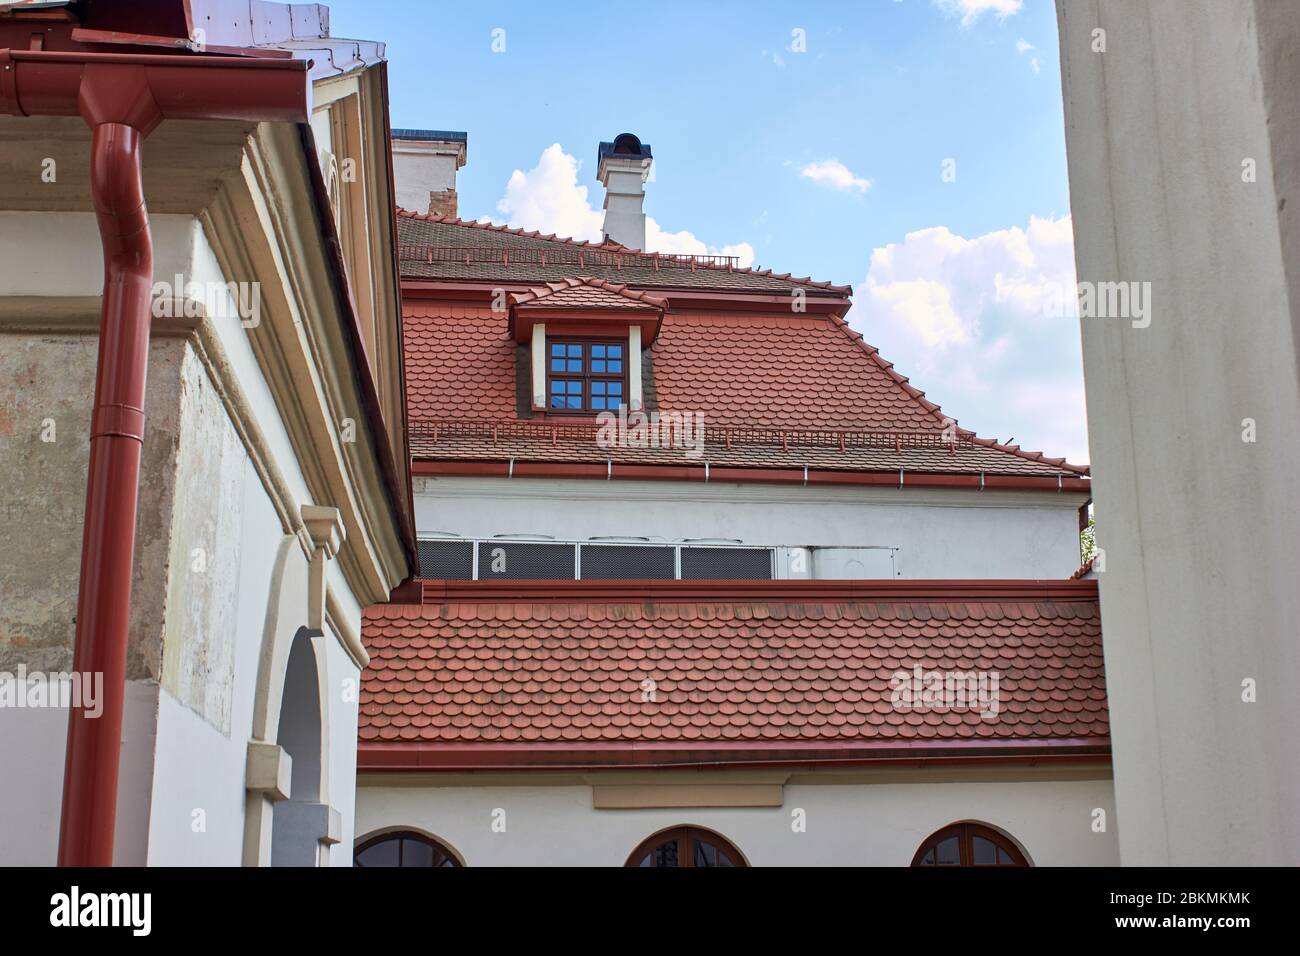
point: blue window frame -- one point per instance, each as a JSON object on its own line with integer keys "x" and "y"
{"x": 586, "y": 375}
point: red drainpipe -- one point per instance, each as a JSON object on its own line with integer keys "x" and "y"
{"x": 123, "y": 97}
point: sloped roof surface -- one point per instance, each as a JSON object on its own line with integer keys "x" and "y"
{"x": 573, "y": 669}
{"x": 434, "y": 247}
{"x": 741, "y": 371}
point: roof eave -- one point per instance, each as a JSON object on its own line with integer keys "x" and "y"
{"x": 440, "y": 756}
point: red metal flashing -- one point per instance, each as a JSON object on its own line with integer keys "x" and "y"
{"x": 562, "y": 591}
{"x": 695, "y": 298}
{"x": 606, "y": 471}
{"x": 373, "y": 757}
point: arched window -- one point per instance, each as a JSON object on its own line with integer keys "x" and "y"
{"x": 968, "y": 844}
{"x": 403, "y": 848}
{"x": 685, "y": 846}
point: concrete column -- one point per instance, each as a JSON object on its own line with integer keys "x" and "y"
{"x": 1183, "y": 136}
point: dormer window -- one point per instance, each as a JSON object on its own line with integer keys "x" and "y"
{"x": 586, "y": 375}
{"x": 585, "y": 341}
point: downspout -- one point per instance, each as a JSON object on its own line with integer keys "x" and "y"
{"x": 108, "y": 540}
{"x": 123, "y": 97}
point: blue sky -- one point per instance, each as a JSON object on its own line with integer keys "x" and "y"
{"x": 825, "y": 162}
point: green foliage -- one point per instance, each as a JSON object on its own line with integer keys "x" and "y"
{"x": 1088, "y": 541}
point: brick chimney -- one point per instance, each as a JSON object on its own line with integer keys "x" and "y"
{"x": 424, "y": 169}
{"x": 624, "y": 168}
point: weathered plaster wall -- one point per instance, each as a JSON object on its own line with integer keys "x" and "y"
{"x": 1199, "y": 527}
{"x": 847, "y": 825}
{"x": 198, "y": 618}
{"x": 48, "y": 383}
{"x": 204, "y": 587}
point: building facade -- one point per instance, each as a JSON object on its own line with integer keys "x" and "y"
{"x": 701, "y": 572}
{"x": 274, "y": 501}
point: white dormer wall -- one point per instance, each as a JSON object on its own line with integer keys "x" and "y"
{"x": 935, "y": 533}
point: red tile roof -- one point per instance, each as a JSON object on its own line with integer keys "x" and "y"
{"x": 460, "y": 362}
{"x": 1083, "y": 570}
{"x": 586, "y": 292}
{"x": 438, "y": 247}
{"x": 776, "y": 372}
{"x": 554, "y": 673}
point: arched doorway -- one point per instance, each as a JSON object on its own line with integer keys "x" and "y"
{"x": 299, "y": 823}
{"x": 685, "y": 846}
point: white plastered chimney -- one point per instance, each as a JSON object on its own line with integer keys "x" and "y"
{"x": 623, "y": 171}
{"x": 425, "y": 162}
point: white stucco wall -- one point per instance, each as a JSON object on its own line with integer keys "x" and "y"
{"x": 419, "y": 169}
{"x": 197, "y": 763}
{"x": 940, "y": 532}
{"x": 847, "y": 825}
{"x": 1199, "y": 527}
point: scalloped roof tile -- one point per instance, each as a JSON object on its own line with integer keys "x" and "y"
{"x": 573, "y": 668}
{"x": 588, "y": 292}
{"x": 741, "y": 370}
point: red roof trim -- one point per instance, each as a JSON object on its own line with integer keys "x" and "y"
{"x": 720, "y": 300}
{"x": 567, "y": 591}
{"x": 938, "y": 413}
{"x": 439, "y": 756}
{"x": 1083, "y": 570}
{"x": 788, "y": 476}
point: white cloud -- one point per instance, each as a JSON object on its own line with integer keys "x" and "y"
{"x": 833, "y": 173}
{"x": 658, "y": 240}
{"x": 972, "y": 10}
{"x": 1023, "y": 46}
{"x": 548, "y": 199}
{"x": 969, "y": 321}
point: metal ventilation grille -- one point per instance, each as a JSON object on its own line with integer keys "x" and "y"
{"x": 505, "y": 560}
{"x": 707, "y": 563}
{"x": 609, "y": 561}
{"x": 447, "y": 560}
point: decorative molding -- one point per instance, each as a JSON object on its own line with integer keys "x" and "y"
{"x": 300, "y": 351}
{"x": 269, "y": 770}
{"x": 325, "y": 528}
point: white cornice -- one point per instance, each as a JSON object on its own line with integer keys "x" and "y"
{"x": 303, "y": 351}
